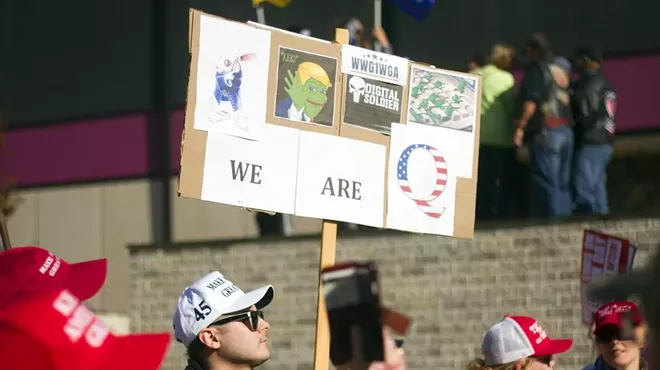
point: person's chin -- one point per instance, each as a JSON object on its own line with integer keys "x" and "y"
{"x": 620, "y": 358}
{"x": 261, "y": 360}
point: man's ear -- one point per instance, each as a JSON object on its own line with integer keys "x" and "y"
{"x": 210, "y": 338}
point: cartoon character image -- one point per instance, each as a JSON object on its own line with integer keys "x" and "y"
{"x": 307, "y": 91}
{"x": 227, "y": 99}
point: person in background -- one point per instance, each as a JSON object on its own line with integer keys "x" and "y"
{"x": 594, "y": 107}
{"x": 356, "y": 35}
{"x": 618, "y": 330}
{"x": 518, "y": 343}
{"x": 477, "y": 60}
{"x": 642, "y": 283}
{"x": 545, "y": 125}
{"x": 496, "y": 188}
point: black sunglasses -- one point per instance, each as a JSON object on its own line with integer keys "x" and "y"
{"x": 610, "y": 336}
{"x": 251, "y": 317}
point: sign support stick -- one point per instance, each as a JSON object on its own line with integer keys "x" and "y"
{"x": 328, "y": 249}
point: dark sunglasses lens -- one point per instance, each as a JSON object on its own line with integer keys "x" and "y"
{"x": 254, "y": 319}
{"x": 608, "y": 337}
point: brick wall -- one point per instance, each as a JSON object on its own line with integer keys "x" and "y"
{"x": 454, "y": 289}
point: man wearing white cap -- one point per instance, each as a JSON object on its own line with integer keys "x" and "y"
{"x": 221, "y": 326}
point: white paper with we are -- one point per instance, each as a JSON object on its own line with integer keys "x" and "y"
{"x": 253, "y": 174}
{"x": 424, "y": 164}
{"x": 232, "y": 74}
{"x": 340, "y": 179}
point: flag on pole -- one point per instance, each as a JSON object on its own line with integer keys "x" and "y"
{"x": 277, "y": 3}
{"x": 418, "y": 9}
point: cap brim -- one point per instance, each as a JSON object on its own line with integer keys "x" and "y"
{"x": 85, "y": 279}
{"x": 260, "y": 298}
{"x": 555, "y": 346}
{"x": 620, "y": 287}
{"x": 152, "y": 349}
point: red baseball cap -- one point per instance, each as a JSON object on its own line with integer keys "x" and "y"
{"x": 612, "y": 314}
{"x": 56, "y": 331}
{"x": 28, "y": 271}
{"x": 518, "y": 337}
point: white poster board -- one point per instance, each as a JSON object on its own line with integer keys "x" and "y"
{"x": 252, "y": 174}
{"x": 340, "y": 179}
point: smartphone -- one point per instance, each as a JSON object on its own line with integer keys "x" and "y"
{"x": 352, "y": 298}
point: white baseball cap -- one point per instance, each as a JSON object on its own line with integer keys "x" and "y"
{"x": 518, "y": 337}
{"x": 208, "y": 299}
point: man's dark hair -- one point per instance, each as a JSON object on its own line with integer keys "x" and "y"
{"x": 539, "y": 46}
{"x": 590, "y": 53}
{"x": 197, "y": 356}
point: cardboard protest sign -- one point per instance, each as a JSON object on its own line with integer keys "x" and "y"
{"x": 232, "y": 70}
{"x": 602, "y": 255}
{"x": 340, "y": 179}
{"x": 305, "y": 157}
{"x": 303, "y": 83}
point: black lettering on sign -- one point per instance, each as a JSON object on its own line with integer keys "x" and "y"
{"x": 343, "y": 189}
{"x": 241, "y": 170}
{"x": 202, "y": 310}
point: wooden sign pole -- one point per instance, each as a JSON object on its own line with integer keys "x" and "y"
{"x": 322, "y": 344}
{"x": 328, "y": 249}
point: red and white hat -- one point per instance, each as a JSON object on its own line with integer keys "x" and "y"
{"x": 29, "y": 271}
{"x": 56, "y": 331}
{"x": 612, "y": 314}
{"x": 518, "y": 337}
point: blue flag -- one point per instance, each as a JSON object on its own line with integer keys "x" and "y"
{"x": 418, "y": 9}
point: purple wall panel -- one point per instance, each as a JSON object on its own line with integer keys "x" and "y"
{"x": 79, "y": 151}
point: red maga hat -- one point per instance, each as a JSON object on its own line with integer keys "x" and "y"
{"x": 30, "y": 271}
{"x": 56, "y": 331}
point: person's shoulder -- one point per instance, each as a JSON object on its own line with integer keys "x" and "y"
{"x": 590, "y": 367}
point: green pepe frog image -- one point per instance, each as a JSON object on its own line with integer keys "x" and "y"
{"x": 307, "y": 90}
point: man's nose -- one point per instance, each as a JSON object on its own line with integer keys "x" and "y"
{"x": 263, "y": 325}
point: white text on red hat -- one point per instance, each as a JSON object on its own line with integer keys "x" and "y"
{"x": 538, "y": 330}
{"x": 614, "y": 309}
{"x": 82, "y": 321}
{"x": 51, "y": 262}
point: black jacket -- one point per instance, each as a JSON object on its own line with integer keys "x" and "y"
{"x": 594, "y": 105}
{"x": 546, "y": 85}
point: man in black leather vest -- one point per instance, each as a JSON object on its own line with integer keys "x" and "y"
{"x": 594, "y": 106}
{"x": 545, "y": 125}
